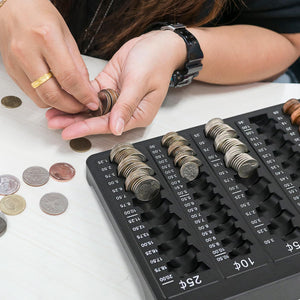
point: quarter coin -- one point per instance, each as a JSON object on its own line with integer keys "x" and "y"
{"x": 35, "y": 176}
{"x": 11, "y": 101}
{"x": 80, "y": 144}
{"x": 3, "y": 223}
{"x": 9, "y": 184}
{"x": 12, "y": 204}
{"x": 53, "y": 203}
{"x": 62, "y": 171}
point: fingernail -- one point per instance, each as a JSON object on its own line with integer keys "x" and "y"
{"x": 92, "y": 106}
{"x": 119, "y": 126}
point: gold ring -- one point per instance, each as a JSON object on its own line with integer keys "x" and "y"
{"x": 35, "y": 84}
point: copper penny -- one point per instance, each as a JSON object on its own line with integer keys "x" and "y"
{"x": 62, "y": 171}
{"x": 290, "y": 105}
{"x": 80, "y": 144}
{"x": 295, "y": 116}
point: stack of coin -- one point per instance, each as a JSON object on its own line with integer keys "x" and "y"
{"x": 139, "y": 175}
{"x": 224, "y": 141}
{"x": 216, "y": 126}
{"x": 292, "y": 108}
{"x": 243, "y": 163}
{"x": 107, "y": 99}
{"x": 184, "y": 155}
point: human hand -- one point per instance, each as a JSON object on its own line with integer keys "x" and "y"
{"x": 141, "y": 71}
{"x": 35, "y": 39}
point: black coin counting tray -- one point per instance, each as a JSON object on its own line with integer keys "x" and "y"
{"x": 219, "y": 236}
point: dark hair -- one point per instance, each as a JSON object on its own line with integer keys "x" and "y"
{"x": 133, "y": 18}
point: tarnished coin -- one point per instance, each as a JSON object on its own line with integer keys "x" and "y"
{"x": 3, "y": 223}
{"x": 80, "y": 144}
{"x": 118, "y": 148}
{"x": 11, "y": 101}
{"x": 189, "y": 170}
{"x": 62, "y": 171}
{"x": 290, "y": 105}
{"x": 146, "y": 188}
{"x": 35, "y": 176}
{"x": 121, "y": 151}
{"x": 12, "y": 204}
{"x": 9, "y": 184}
{"x": 53, "y": 203}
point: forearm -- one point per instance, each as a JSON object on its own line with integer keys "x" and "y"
{"x": 243, "y": 53}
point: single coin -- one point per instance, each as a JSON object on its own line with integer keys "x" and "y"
{"x": 12, "y": 204}
{"x": 189, "y": 170}
{"x": 35, "y": 176}
{"x": 289, "y": 105}
{"x": 11, "y": 101}
{"x": 3, "y": 223}
{"x": 9, "y": 184}
{"x": 80, "y": 144}
{"x": 62, "y": 171}
{"x": 53, "y": 203}
{"x": 146, "y": 188}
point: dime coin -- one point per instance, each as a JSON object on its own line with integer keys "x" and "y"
{"x": 189, "y": 170}
{"x": 80, "y": 144}
{"x": 62, "y": 171}
{"x": 3, "y": 223}
{"x": 53, "y": 203}
{"x": 9, "y": 184}
{"x": 146, "y": 188}
{"x": 12, "y": 205}
{"x": 11, "y": 101}
{"x": 35, "y": 176}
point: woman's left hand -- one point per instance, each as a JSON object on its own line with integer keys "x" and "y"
{"x": 141, "y": 72}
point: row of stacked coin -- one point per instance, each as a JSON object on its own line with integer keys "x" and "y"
{"x": 234, "y": 150}
{"x": 138, "y": 175}
{"x": 292, "y": 108}
{"x": 184, "y": 155}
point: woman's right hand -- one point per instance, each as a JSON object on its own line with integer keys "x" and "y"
{"x": 34, "y": 39}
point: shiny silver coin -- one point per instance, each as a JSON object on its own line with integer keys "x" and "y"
{"x": 244, "y": 164}
{"x": 133, "y": 177}
{"x": 9, "y": 184}
{"x": 3, "y": 223}
{"x": 167, "y": 138}
{"x": 35, "y": 176}
{"x": 178, "y": 147}
{"x": 146, "y": 188}
{"x": 53, "y": 203}
{"x": 218, "y": 129}
{"x": 231, "y": 153}
{"x": 221, "y": 138}
{"x": 117, "y": 148}
{"x": 211, "y": 124}
{"x": 189, "y": 170}
{"x": 232, "y": 142}
{"x": 131, "y": 164}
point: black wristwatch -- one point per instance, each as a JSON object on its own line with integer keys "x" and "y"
{"x": 193, "y": 63}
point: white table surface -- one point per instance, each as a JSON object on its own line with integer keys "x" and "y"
{"x": 77, "y": 255}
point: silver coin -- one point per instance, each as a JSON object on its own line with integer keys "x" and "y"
{"x": 146, "y": 188}
{"x": 211, "y": 124}
{"x": 220, "y": 128}
{"x": 133, "y": 177}
{"x": 3, "y": 223}
{"x": 35, "y": 176}
{"x": 232, "y": 142}
{"x": 9, "y": 184}
{"x": 53, "y": 203}
{"x": 168, "y": 138}
{"x": 222, "y": 138}
{"x": 231, "y": 153}
{"x": 190, "y": 158}
{"x": 178, "y": 147}
{"x": 131, "y": 164}
{"x": 244, "y": 164}
{"x": 189, "y": 170}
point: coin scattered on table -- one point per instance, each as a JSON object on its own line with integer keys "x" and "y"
{"x": 80, "y": 144}
{"x": 3, "y": 224}
{"x": 35, "y": 176}
{"x": 53, "y": 203}
{"x": 12, "y": 204}
{"x": 62, "y": 171}
{"x": 9, "y": 184}
{"x": 11, "y": 101}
